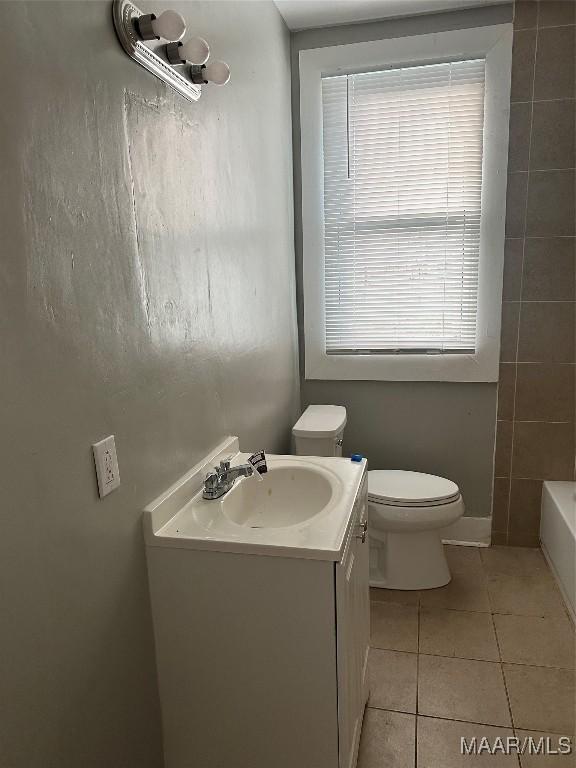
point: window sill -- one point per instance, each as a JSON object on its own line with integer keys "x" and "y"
{"x": 479, "y": 367}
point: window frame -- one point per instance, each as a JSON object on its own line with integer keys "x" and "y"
{"x": 495, "y": 44}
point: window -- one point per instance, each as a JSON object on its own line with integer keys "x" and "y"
{"x": 402, "y": 182}
{"x": 403, "y": 246}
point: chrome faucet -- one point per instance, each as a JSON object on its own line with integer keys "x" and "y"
{"x": 221, "y": 480}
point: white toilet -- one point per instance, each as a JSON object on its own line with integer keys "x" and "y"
{"x": 407, "y": 510}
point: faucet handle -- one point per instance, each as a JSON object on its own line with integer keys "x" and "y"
{"x": 224, "y": 466}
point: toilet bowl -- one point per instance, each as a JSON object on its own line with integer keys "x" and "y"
{"x": 406, "y": 510}
{"x": 406, "y": 513}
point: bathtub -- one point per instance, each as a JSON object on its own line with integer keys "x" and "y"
{"x": 558, "y": 537}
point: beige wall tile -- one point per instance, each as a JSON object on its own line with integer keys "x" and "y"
{"x": 439, "y": 744}
{"x": 541, "y": 330}
{"x": 523, "y": 65}
{"x": 523, "y": 538}
{"x": 503, "y": 454}
{"x": 525, "y": 502}
{"x": 458, "y": 689}
{"x": 546, "y": 333}
{"x": 525, "y": 14}
{"x": 394, "y": 627}
{"x": 500, "y": 510}
{"x": 388, "y": 740}
{"x": 543, "y": 450}
{"x": 554, "y": 13}
{"x": 542, "y": 642}
{"x": 509, "y": 332}
{"x": 513, "y": 254}
{"x": 554, "y": 75}
{"x": 499, "y": 538}
{"x": 516, "y": 193}
{"x": 519, "y": 136}
{"x": 506, "y": 388}
{"x": 550, "y": 203}
{"x": 541, "y": 699}
{"x": 392, "y": 679}
{"x": 462, "y": 634}
{"x": 553, "y": 140}
{"x": 544, "y": 392}
{"x": 549, "y": 264}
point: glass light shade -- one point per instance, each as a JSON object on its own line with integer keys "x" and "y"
{"x": 196, "y": 51}
{"x": 169, "y": 25}
{"x": 217, "y": 72}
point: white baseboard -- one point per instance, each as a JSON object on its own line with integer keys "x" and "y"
{"x": 469, "y": 532}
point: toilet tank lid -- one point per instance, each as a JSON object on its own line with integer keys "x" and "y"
{"x": 320, "y": 421}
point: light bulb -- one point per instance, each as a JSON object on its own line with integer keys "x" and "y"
{"x": 169, "y": 25}
{"x": 217, "y": 72}
{"x": 196, "y": 51}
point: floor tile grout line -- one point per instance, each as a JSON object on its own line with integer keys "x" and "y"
{"x": 465, "y": 610}
{"x": 468, "y": 658}
{"x": 502, "y": 671}
{"x": 443, "y": 717}
{"x": 468, "y": 722}
{"x": 543, "y": 731}
{"x": 494, "y": 612}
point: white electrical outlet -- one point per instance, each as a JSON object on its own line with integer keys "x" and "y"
{"x": 106, "y": 465}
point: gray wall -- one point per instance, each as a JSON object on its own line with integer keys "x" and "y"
{"x": 146, "y": 290}
{"x": 443, "y": 428}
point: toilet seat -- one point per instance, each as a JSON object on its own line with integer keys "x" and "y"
{"x": 401, "y": 488}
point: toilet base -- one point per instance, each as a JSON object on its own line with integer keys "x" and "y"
{"x": 414, "y": 560}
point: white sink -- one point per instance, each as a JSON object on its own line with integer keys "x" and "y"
{"x": 288, "y": 494}
{"x": 301, "y": 508}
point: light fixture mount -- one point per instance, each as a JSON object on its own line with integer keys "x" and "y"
{"x": 144, "y": 27}
{"x": 196, "y": 74}
{"x": 151, "y": 56}
{"x": 172, "y": 53}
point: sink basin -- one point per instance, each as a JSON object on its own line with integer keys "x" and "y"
{"x": 287, "y": 495}
{"x": 301, "y": 508}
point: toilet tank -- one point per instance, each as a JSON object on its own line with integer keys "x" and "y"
{"x": 319, "y": 431}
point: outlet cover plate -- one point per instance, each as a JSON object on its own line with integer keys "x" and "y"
{"x": 106, "y": 465}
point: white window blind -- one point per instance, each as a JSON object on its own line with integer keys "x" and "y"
{"x": 402, "y": 192}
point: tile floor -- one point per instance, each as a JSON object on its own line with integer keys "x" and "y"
{"x": 491, "y": 654}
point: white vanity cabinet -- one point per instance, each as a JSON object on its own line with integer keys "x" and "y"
{"x": 262, "y": 658}
{"x": 353, "y": 635}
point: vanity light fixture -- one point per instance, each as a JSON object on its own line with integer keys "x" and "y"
{"x": 194, "y": 51}
{"x": 141, "y": 34}
{"x": 169, "y": 25}
{"x": 217, "y": 72}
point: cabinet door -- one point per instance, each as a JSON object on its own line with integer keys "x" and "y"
{"x": 353, "y": 630}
